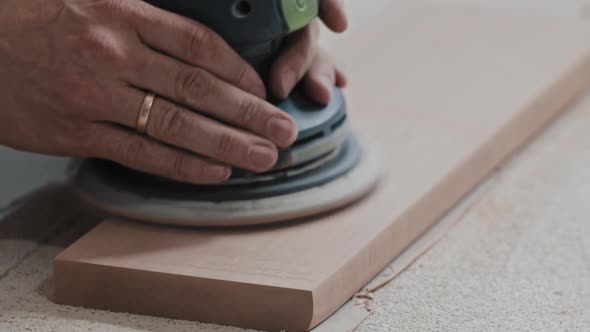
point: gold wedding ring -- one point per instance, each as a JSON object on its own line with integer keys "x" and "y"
{"x": 144, "y": 113}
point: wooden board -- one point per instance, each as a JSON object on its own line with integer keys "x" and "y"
{"x": 448, "y": 92}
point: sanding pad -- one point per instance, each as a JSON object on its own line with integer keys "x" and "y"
{"x": 344, "y": 180}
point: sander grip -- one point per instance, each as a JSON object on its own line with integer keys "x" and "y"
{"x": 254, "y": 28}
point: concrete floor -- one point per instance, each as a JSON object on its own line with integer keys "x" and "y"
{"x": 518, "y": 260}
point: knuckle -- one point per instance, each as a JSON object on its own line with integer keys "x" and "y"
{"x": 242, "y": 76}
{"x": 199, "y": 173}
{"x": 315, "y": 28}
{"x": 225, "y": 145}
{"x": 118, "y": 8}
{"x": 180, "y": 170}
{"x": 198, "y": 37}
{"x": 248, "y": 112}
{"x": 191, "y": 81}
{"x": 131, "y": 151}
{"x": 113, "y": 6}
{"x": 307, "y": 43}
{"x": 172, "y": 122}
{"x": 105, "y": 46}
{"x": 306, "y": 49}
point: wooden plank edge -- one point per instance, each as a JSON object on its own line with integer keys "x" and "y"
{"x": 117, "y": 286}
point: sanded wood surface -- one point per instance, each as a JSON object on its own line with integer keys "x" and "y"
{"x": 448, "y": 92}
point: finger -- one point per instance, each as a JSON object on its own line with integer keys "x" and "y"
{"x": 341, "y": 78}
{"x": 197, "y": 89}
{"x": 333, "y": 15}
{"x": 179, "y": 127}
{"x": 320, "y": 80}
{"x": 193, "y": 43}
{"x": 143, "y": 154}
{"x": 294, "y": 61}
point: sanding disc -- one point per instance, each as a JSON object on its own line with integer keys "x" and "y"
{"x": 186, "y": 210}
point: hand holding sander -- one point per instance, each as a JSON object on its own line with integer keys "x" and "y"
{"x": 325, "y": 169}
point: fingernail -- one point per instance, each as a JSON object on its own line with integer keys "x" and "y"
{"x": 288, "y": 83}
{"x": 282, "y": 131}
{"x": 262, "y": 158}
{"x": 218, "y": 173}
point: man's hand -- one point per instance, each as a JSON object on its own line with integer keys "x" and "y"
{"x": 302, "y": 59}
{"x": 74, "y": 74}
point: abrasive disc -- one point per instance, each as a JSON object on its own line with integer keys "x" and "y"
{"x": 344, "y": 181}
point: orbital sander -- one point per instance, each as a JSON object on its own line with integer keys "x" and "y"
{"x": 325, "y": 169}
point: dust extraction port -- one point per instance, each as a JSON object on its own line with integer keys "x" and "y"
{"x": 242, "y": 9}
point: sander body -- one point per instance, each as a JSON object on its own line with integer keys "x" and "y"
{"x": 325, "y": 169}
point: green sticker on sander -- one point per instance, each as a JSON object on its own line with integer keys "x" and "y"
{"x": 298, "y": 13}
